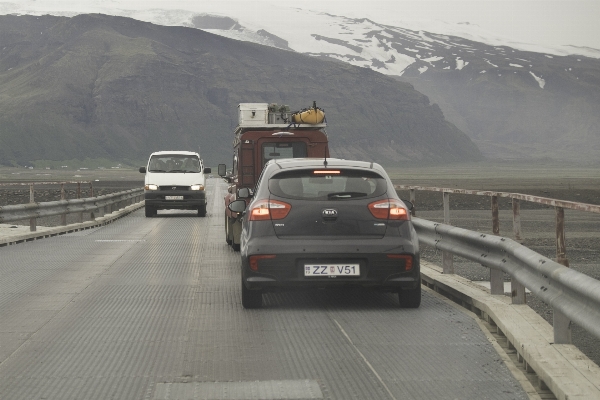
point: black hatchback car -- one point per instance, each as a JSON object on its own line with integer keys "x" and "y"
{"x": 315, "y": 223}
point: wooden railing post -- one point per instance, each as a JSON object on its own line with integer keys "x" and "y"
{"x": 516, "y": 207}
{"x": 32, "y": 221}
{"x": 79, "y": 214}
{"x": 63, "y": 196}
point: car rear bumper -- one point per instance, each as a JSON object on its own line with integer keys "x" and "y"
{"x": 287, "y": 269}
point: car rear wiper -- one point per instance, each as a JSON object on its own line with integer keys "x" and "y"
{"x": 156, "y": 170}
{"x": 345, "y": 195}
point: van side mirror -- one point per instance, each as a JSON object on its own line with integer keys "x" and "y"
{"x": 222, "y": 169}
{"x": 207, "y": 170}
{"x": 244, "y": 193}
{"x": 237, "y": 206}
{"x": 143, "y": 170}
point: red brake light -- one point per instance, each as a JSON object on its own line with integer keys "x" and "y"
{"x": 408, "y": 260}
{"x": 254, "y": 260}
{"x": 388, "y": 209}
{"x": 265, "y": 210}
{"x": 327, "y": 172}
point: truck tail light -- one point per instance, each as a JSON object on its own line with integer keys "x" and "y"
{"x": 255, "y": 259}
{"x": 264, "y": 210}
{"x": 389, "y": 209}
{"x": 408, "y": 260}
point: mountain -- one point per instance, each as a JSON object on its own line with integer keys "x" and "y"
{"x": 101, "y": 86}
{"x": 512, "y": 103}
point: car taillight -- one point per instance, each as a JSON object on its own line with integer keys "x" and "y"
{"x": 408, "y": 260}
{"x": 254, "y": 260}
{"x": 388, "y": 209}
{"x": 269, "y": 209}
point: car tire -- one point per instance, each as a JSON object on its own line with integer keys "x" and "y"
{"x": 227, "y": 230}
{"x": 410, "y": 298}
{"x": 150, "y": 212}
{"x": 251, "y": 298}
{"x": 202, "y": 211}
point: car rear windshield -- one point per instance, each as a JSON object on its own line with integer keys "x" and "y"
{"x": 174, "y": 163}
{"x": 332, "y": 184}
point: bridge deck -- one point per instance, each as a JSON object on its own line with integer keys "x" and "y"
{"x": 150, "y": 308}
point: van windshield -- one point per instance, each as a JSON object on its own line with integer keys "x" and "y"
{"x": 174, "y": 163}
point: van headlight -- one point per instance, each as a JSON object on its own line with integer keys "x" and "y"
{"x": 197, "y": 187}
{"x": 151, "y": 187}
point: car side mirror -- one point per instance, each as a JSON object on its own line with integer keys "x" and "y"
{"x": 244, "y": 193}
{"x": 143, "y": 170}
{"x": 222, "y": 168}
{"x": 207, "y": 170}
{"x": 237, "y": 206}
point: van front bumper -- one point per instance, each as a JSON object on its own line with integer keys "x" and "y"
{"x": 175, "y": 199}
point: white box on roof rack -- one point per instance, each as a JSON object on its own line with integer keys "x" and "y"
{"x": 251, "y": 114}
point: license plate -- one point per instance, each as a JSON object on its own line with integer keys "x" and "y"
{"x": 331, "y": 270}
{"x": 173, "y": 197}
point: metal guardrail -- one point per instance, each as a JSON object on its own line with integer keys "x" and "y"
{"x": 569, "y": 292}
{"x": 97, "y": 206}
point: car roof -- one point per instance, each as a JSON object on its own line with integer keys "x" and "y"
{"x": 297, "y": 163}
{"x": 175, "y": 152}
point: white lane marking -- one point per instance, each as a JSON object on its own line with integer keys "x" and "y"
{"x": 119, "y": 240}
{"x": 365, "y": 360}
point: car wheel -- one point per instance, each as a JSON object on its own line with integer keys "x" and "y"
{"x": 410, "y": 298}
{"x": 202, "y": 211}
{"x": 150, "y": 212}
{"x": 227, "y": 230}
{"x": 251, "y": 298}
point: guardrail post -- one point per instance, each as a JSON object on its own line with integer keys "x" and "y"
{"x": 447, "y": 257}
{"x": 516, "y": 206}
{"x": 79, "y": 214}
{"x": 496, "y": 275}
{"x": 93, "y": 212}
{"x": 517, "y": 290}
{"x": 412, "y": 198}
{"x": 32, "y": 221}
{"x": 561, "y": 323}
{"x": 562, "y": 327}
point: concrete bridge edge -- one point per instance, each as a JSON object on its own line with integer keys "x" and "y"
{"x": 524, "y": 336}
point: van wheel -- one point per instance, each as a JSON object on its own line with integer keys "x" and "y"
{"x": 410, "y": 298}
{"x": 202, "y": 211}
{"x": 251, "y": 298}
{"x": 150, "y": 212}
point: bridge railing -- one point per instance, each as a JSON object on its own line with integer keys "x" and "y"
{"x": 569, "y": 292}
{"x": 97, "y": 206}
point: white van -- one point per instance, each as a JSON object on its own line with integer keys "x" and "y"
{"x": 174, "y": 180}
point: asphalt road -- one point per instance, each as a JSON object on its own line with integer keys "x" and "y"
{"x": 150, "y": 308}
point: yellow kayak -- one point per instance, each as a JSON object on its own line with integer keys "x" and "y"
{"x": 309, "y": 116}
